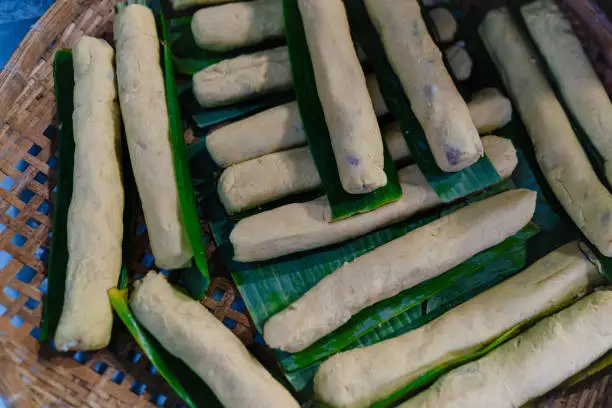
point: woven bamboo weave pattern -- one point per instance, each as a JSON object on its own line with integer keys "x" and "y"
{"x": 32, "y": 375}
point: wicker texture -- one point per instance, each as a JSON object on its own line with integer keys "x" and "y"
{"x": 32, "y": 375}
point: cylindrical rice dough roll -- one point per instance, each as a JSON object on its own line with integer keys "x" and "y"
{"x": 277, "y": 175}
{"x": 145, "y": 117}
{"x": 95, "y": 216}
{"x": 440, "y": 109}
{"x": 270, "y": 131}
{"x": 531, "y": 364}
{"x": 341, "y": 86}
{"x": 191, "y": 333}
{"x": 444, "y": 23}
{"x": 244, "y": 77}
{"x": 179, "y": 5}
{"x": 459, "y": 61}
{"x": 583, "y": 92}
{"x": 230, "y": 26}
{"x": 490, "y": 110}
{"x": 557, "y": 149}
{"x": 299, "y": 227}
{"x": 400, "y": 264}
{"x": 358, "y": 378}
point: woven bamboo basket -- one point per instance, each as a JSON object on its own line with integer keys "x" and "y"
{"x": 35, "y": 375}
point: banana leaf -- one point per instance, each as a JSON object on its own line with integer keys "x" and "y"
{"x": 194, "y": 392}
{"x": 196, "y": 279}
{"x": 448, "y": 186}
{"x": 342, "y": 203}
{"x": 63, "y": 74}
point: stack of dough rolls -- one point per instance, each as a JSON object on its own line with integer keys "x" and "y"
{"x": 191, "y": 333}
{"x": 95, "y": 216}
{"x": 420, "y": 255}
{"x": 360, "y": 377}
{"x": 274, "y": 176}
{"x": 145, "y": 116}
{"x": 558, "y": 152}
{"x": 300, "y": 227}
{"x": 531, "y": 364}
{"x": 231, "y": 26}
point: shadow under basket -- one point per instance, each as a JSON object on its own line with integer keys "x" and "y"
{"x": 35, "y": 375}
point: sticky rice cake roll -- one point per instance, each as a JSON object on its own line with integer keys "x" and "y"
{"x": 235, "y": 25}
{"x": 145, "y": 116}
{"x": 188, "y": 331}
{"x": 353, "y": 129}
{"x": 95, "y": 216}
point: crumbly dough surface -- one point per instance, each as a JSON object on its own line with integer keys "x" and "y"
{"x": 490, "y": 110}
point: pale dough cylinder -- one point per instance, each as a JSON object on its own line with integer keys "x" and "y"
{"x": 460, "y": 62}
{"x": 531, "y": 364}
{"x": 145, "y": 117}
{"x": 341, "y": 86}
{"x": 360, "y": 377}
{"x": 440, "y": 109}
{"x": 558, "y": 152}
{"x": 244, "y": 77}
{"x": 490, "y": 110}
{"x": 230, "y": 26}
{"x": 444, "y": 23}
{"x": 95, "y": 216}
{"x": 403, "y": 263}
{"x": 299, "y": 227}
{"x": 270, "y": 131}
{"x": 274, "y": 176}
{"x": 186, "y": 4}
{"x": 582, "y": 90}
{"x": 191, "y": 333}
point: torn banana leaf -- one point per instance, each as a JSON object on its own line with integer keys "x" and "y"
{"x": 197, "y": 279}
{"x": 448, "y": 186}
{"x": 63, "y": 74}
{"x": 342, "y": 203}
{"x": 179, "y": 376}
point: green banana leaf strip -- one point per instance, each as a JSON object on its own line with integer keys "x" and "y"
{"x": 197, "y": 279}
{"x": 448, "y": 186}
{"x": 63, "y": 74}
{"x": 342, "y": 204}
{"x": 179, "y": 376}
{"x": 206, "y": 117}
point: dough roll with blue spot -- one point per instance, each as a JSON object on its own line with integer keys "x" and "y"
{"x": 434, "y": 99}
